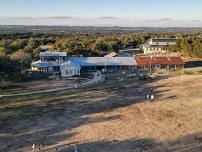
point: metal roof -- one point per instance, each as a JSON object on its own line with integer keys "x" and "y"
{"x": 70, "y": 63}
{"x": 147, "y": 45}
{"x": 112, "y": 54}
{"x": 40, "y": 64}
{"x": 164, "y": 40}
{"x": 102, "y": 61}
{"x": 43, "y": 64}
{"x": 54, "y": 54}
{"x": 158, "y": 60}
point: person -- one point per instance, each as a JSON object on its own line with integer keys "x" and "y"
{"x": 148, "y": 96}
{"x": 33, "y": 147}
{"x": 152, "y": 97}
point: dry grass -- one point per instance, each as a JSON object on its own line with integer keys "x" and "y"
{"x": 116, "y": 119}
{"x": 37, "y": 86}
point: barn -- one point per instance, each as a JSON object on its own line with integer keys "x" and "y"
{"x": 86, "y": 64}
{"x": 159, "y": 62}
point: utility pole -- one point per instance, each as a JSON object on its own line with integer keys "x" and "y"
{"x": 150, "y": 66}
{"x": 105, "y": 64}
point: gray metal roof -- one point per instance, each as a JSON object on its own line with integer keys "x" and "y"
{"x": 43, "y": 64}
{"x": 54, "y": 54}
{"x": 40, "y": 64}
{"x": 102, "y": 61}
{"x": 164, "y": 40}
{"x": 70, "y": 63}
{"x": 147, "y": 45}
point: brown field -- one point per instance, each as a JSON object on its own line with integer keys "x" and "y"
{"x": 109, "y": 118}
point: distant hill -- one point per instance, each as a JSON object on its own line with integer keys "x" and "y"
{"x": 22, "y": 28}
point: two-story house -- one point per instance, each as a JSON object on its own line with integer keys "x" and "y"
{"x": 49, "y": 62}
{"x": 158, "y": 45}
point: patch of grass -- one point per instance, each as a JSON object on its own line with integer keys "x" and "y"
{"x": 9, "y": 89}
{"x": 197, "y": 70}
{"x": 111, "y": 81}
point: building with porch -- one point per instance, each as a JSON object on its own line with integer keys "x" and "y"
{"x": 167, "y": 62}
{"x": 49, "y": 62}
{"x": 70, "y": 69}
{"x": 76, "y": 65}
{"x": 158, "y": 45}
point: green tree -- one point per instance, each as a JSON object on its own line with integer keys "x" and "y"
{"x": 2, "y": 51}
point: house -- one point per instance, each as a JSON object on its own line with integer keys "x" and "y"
{"x": 158, "y": 45}
{"x": 70, "y": 69}
{"x": 49, "y": 62}
{"x": 159, "y": 62}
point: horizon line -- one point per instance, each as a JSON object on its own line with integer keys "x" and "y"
{"x": 102, "y": 26}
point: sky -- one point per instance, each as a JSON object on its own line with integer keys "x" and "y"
{"x": 159, "y": 13}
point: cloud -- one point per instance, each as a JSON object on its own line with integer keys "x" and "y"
{"x": 169, "y": 22}
{"x": 60, "y": 17}
{"x": 160, "y": 20}
{"x": 196, "y": 20}
{"x": 108, "y": 17}
{"x": 101, "y": 21}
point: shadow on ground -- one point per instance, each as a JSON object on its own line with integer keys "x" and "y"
{"x": 40, "y": 120}
{"x": 184, "y": 144}
{"x": 193, "y": 64}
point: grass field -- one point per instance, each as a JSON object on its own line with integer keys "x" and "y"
{"x": 113, "y": 116}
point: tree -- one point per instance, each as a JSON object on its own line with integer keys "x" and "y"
{"x": 21, "y": 58}
{"x": 8, "y": 70}
{"x": 2, "y": 51}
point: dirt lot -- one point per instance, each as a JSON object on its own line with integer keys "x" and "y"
{"x": 109, "y": 119}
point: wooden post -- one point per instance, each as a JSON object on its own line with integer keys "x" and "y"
{"x": 182, "y": 70}
{"x": 168, "y": 67}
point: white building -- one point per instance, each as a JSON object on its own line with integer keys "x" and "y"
{"x": 158, "y": 45}
{"x": 75, "y": 65}
{"x": 70, "y": 69}
{"x": 49, "y": 62}
{"x": 58, "y": 62}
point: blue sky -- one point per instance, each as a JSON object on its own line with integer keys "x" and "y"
{"x": 102, "y": 12}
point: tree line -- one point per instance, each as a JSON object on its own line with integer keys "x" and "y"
{"x": 190, "y": 46}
